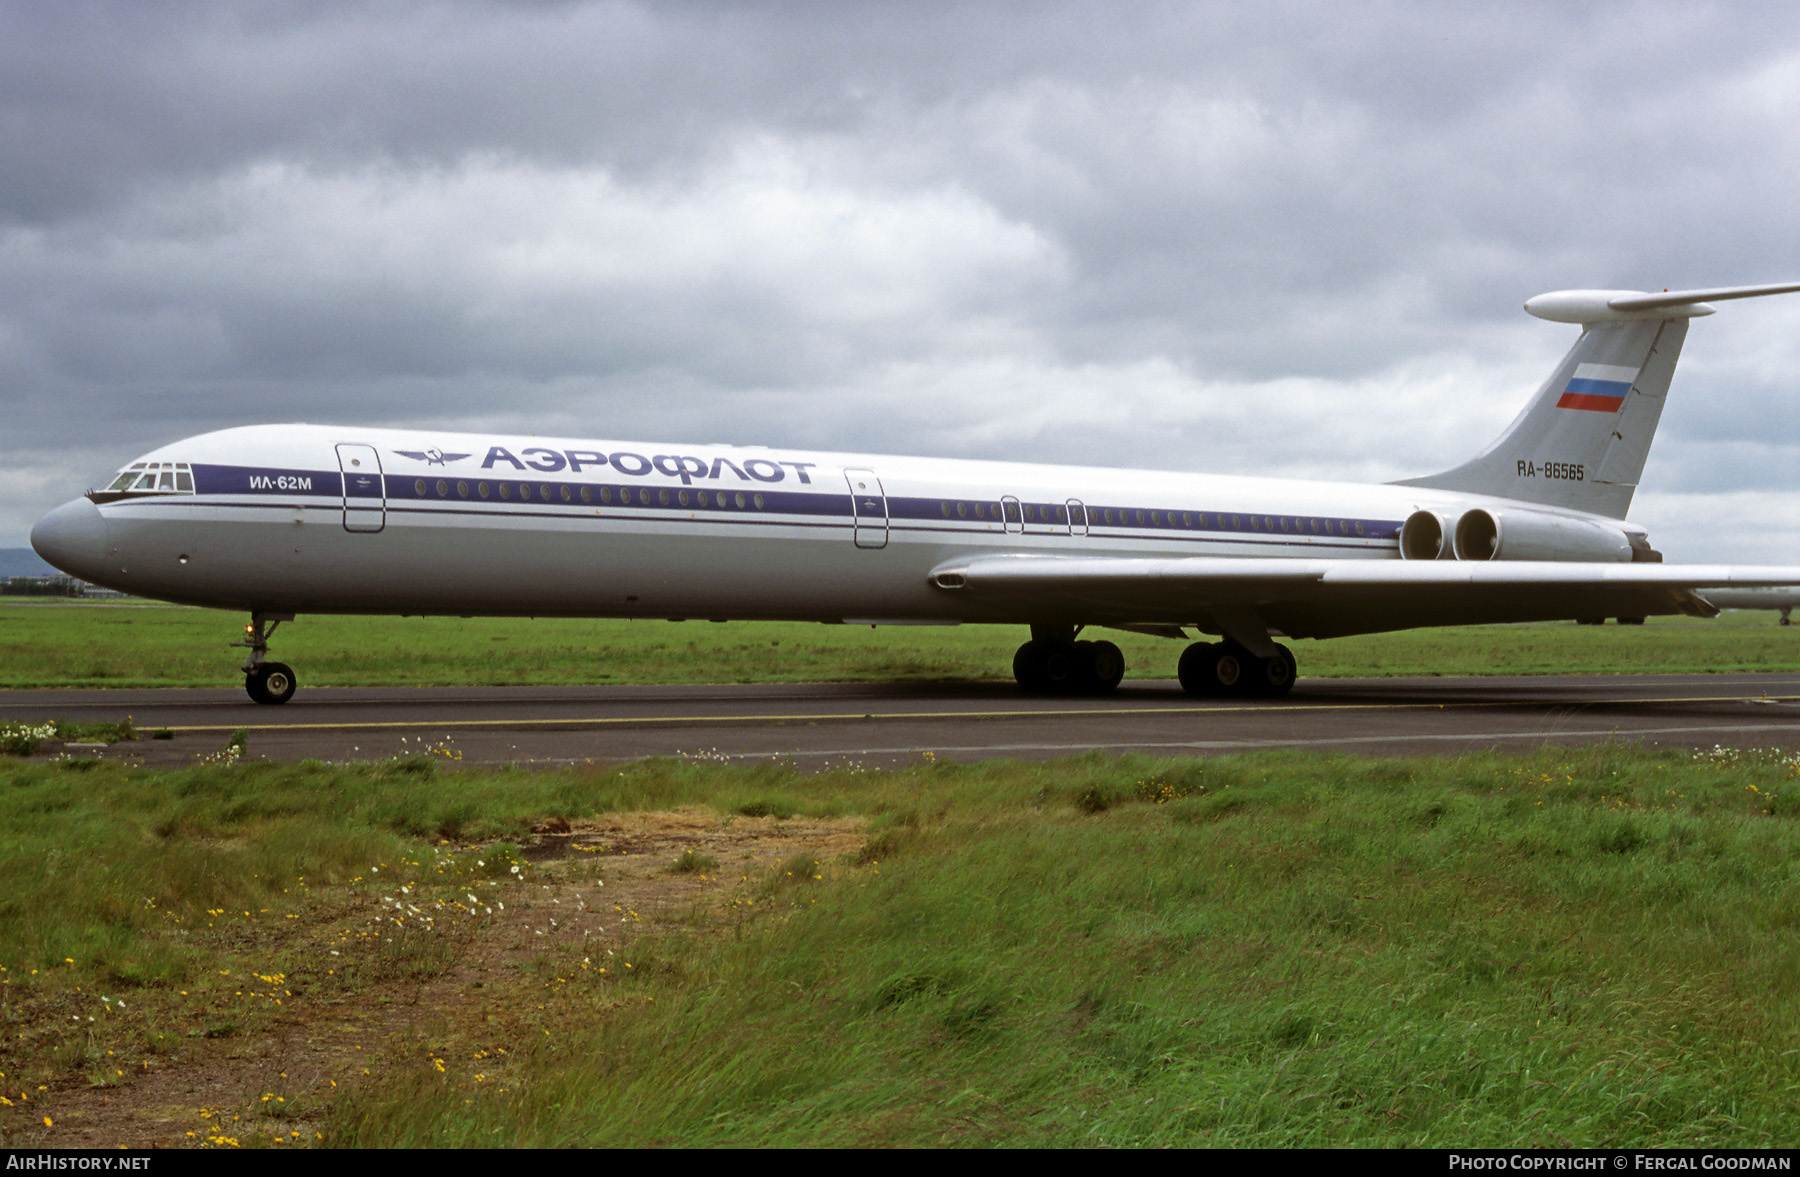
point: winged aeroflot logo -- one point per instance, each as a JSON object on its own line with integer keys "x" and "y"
{"x": 431, "y": 457}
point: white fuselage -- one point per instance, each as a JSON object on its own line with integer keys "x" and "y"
{"x": 315, "y": 519}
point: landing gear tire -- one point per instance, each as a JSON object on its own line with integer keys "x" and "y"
{"x": 1224, "y": 668}
{"x": 1209, "y": 668}
{"x": 271, "y": 682}
{"x": 1272, "y": 677}
{"x": 1028, "y": 667}
{"x": 1102, "y": 667}
{"x": 1068, "y": 668}
{"x": 1045, "y": 668}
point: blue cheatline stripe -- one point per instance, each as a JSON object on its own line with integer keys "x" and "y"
{"x": 1146, "y": 522}
{"x": 673, "y": 517}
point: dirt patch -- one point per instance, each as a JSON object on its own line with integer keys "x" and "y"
{"x": 457, "y": 978}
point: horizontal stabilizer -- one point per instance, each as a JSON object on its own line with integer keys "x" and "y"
{"x": 1657, "y": 302}
{"x": 1588, "y": 307}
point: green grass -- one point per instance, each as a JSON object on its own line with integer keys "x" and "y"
{"x": 1591, "y": 949}
{"x": 95, "y": 644}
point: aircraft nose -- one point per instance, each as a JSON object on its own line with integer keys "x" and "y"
{"x": 73, "y": 538}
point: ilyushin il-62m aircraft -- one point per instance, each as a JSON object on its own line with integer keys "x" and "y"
{"x": 283, "y": 520}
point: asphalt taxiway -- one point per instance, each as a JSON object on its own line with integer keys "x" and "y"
{"x": 832, "y": 724}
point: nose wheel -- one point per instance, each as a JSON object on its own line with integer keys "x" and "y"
{"x": 265, "y": 681}
{"x": 271, "y": 682}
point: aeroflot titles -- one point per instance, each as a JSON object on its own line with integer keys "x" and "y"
{"x": 686, "y": 467}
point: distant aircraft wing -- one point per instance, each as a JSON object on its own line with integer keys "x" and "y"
{"x": 1335, "y": 598}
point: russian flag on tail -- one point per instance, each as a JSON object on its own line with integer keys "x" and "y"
{"x": 1599, "y": 388}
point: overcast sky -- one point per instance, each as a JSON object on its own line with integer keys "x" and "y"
{"x": 1271, "y": 238}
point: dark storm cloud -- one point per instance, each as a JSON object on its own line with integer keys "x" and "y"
{"x": 1287, "y": 239}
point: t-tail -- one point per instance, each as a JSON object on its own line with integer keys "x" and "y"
{"x": 1582, "y": 440}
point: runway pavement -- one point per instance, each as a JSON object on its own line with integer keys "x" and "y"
{"x": 821, "y": 725}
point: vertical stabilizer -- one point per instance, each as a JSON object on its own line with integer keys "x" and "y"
{"x": 1582, "y": 440}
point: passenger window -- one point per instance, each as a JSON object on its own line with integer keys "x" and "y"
{"x": 587, "y": 494}
{"x": 759, "y": 502}
{"x": 544, "y": 491}
{"x": 419, "y": 487}
{"x": 740, "y": 500}
{"x": 683, "y": 497}
{"x": 506, "y": 490}
{"x": 701, "y": 495}
{"x": 481, "y": 488}
{"x": 443, "y": 488}
{"x": 567, "y": 494}
{"x": 945, "y": 508}
{"x": 662, "y": 497}
{"x": 962, "y": 510}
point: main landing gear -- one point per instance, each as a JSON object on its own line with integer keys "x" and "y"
{"x": 1226, "y": 668}
{"x": 266, "y": 682}
{"x": 1054, "y": 663}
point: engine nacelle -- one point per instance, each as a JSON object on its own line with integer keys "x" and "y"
{"x": 1482, "y": 534}
{"x": 1425, "y": 536}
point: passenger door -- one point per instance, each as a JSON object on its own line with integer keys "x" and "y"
{"x": 365, "y": 498}
{"x": 868, "y": 506}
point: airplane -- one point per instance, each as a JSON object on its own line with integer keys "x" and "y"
{"x": 284, "y": 520}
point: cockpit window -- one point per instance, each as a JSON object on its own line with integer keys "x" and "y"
{"x": 148, "y": 478}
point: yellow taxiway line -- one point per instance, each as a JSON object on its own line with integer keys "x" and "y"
{"x": 1012, "y": 713}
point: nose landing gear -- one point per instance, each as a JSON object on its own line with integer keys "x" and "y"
{"x": 264, "y": 681}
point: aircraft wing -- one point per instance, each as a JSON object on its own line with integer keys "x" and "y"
{"x": 1335, "y": 598}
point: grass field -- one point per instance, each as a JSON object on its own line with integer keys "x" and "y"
{"x": 1588, "y": 948}
{"x": 97, "y": 644}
